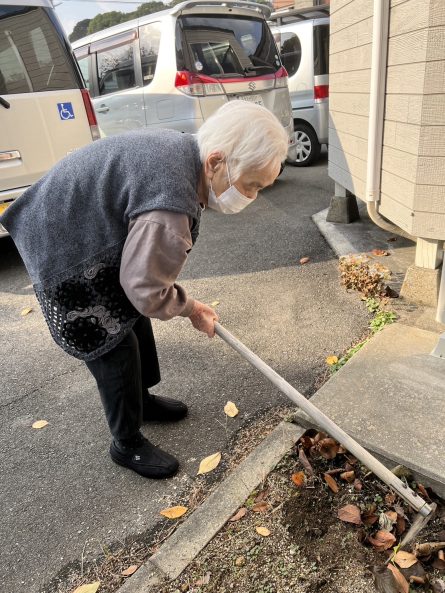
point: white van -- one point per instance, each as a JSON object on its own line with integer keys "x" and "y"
{"x": 174, "y": 68}
{"x": 303, "y": 39}
{"x": 45, "y": 109}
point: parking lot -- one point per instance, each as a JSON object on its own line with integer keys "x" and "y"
{"x": 60, "y": 488}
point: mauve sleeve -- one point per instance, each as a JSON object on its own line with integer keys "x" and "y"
{"x": 154, "y": 253}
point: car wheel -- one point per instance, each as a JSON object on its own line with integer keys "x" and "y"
{"x": 307, "y": 146}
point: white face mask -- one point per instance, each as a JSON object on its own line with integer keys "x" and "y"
{"x": 230, "y": 201}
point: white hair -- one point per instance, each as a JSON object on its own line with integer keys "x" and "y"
{"x": 249, "y": 136}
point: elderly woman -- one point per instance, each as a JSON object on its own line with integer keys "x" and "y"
{"x": 104, "y": 236}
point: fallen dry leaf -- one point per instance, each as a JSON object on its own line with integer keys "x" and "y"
{"x": 390, "y": 498}
{"x": 263, "y": 531}
{"x": 350, "y": 514}
{"x": 214, "y": 303}
{"x": 231, "y": 410}
{"x": 40, "y": 424}
{"x": 304, "y": 260}
{"x": 387, "y": 520}
{"x": 380, "y": 252}
{"x": 405, "y": 559}
{"x": 240, "y": 561}
{"x": 209, "y": 463}
{"x": 262, "y": 495}
{"x": 348, "y": 476}
{"x": 402, "y": 583}
{"x": 26, "y": 311}
{"x": 382, "y": 540}
{"x": 130, "y": 570}
{"x": 400, "y": 525}
{"x": 358, "y": 485}
{"x": 418, "y": 580}
{"x": 331, "y": 483}
{"x": 260, "y": 507}
{"x": 89, "y": 588}
{"x": 421, "y": 488}
{"x": 369, "y": 518}
{"x": 330, "y": 360}
{"x": 305, "y": 462}
{"x": 298, "y": 479}
{"x": 174, "y": 512}
{"x": 306, "y": 442}
{"x": 438, "y": 564}
{"x": 239, "y": 515}
{"x": 328, "y": 448}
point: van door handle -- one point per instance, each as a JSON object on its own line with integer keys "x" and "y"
{"x": 103, "y": 109}
{"x": 10, "y": 155}
{"x": 5, "y": 103}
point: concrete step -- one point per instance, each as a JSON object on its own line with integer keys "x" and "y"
{"x": 390, "y": 397}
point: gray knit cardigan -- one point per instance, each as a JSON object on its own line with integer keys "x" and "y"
{"x": 70, "y": 228}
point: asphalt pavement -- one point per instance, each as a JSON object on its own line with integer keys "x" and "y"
{"x": 61, "y": 496}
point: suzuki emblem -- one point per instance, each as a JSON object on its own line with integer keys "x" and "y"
{"x": 252, "y": 86}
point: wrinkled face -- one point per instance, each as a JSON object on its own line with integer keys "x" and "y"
{"x": 249, "y": 183}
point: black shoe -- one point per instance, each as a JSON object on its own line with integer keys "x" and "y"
{"x": 163, "y": 409}
{"x": 143, "y": 457}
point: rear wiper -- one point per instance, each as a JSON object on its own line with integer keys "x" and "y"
{"x": 254, "y": 68}
{"x": 5, "y": 103}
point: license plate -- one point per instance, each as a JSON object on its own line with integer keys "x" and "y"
{"x": 3, "y": 207}
{"x": 258, "y": 99}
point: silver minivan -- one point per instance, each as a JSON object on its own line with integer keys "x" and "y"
{"x": 45, "y": 109}
{"x": 303, "y": 39}
{"x": 174, "y": 68}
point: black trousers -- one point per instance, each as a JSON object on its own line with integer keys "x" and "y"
{"x": 123, "y": 376}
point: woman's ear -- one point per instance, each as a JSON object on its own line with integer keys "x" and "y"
{"x": 213, "y": 163}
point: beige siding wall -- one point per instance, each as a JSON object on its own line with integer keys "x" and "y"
{"x": 413, "y": 163}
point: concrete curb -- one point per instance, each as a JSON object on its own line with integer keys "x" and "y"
{"x": 334, "y": 236}
{"x": 184, "y": 545}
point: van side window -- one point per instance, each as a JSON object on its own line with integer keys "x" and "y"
{"x": 290, "y": 52}
{"x": 32, "y": 57}
{"x": 84, "y": 68}
{"x": 149, "y": 39}
{"x": 115, "y": 69}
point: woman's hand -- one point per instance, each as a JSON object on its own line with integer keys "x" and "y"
{"x": 203, "y": 318}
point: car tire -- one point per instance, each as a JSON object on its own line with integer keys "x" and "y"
{"x": 308, "y": 146}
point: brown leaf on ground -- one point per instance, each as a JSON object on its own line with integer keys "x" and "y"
{"x": 392, "y": 516}
{"x": 342, "y": 450}
{"x": 298, "y": 479}
{"x": 262, "y": 531}
{"x": 405, "y": 559}
{"x": 392, "y": 239}
{"x": 402, "y": 583}
{"x": 130, "y": 570}
{"x": 400, "y": 525}
{"x": 390, "y": 498}
{"x": 26, "y": 311}
{"x": 262, "y": 495}
{"x": 370, "y": 517}
{"x": 306, "y": 442}
{"x": 305, "y": 462}
{"x": 40, "y": 424}
{"x": 174, "y": 512}
{"x": 304, "y": 260}
{"x": 89, "y": 588}
{"x": 328, "y": 448}
{"x": 348, "y": 476}
{"x": 320, "y": 436}
{"x": 417, "y": 580}
{"x": 438, "y": 564}
{"x": 422, "y": 490}
{"x": 382, "y": 540}
{"x": 331, "y": 483}
{"x": 358, "y": 485}
{"x": 350, "y": 514}
{"x": 239, "y": 515}
{"x": 380, "y": 252}
{"x": 260, "y": 507}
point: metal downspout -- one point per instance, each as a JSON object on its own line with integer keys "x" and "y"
{"x": 380, "y": 30}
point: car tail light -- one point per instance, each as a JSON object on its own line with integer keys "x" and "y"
{"x": 321, "y": 92}
{"x": 281, "y": 78}
{"x": 197, "y": 85}
{"x": 92, "y": 121}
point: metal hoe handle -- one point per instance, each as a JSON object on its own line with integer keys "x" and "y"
{"x": 377, "y": 468}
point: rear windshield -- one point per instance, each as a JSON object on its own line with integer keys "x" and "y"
{"x": 321, "y": 50}
{"x": 32, "y": 56}
{"x": 222, "y": 46}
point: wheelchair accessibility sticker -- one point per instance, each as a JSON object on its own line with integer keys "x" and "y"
{"x": 66, "y": 110}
